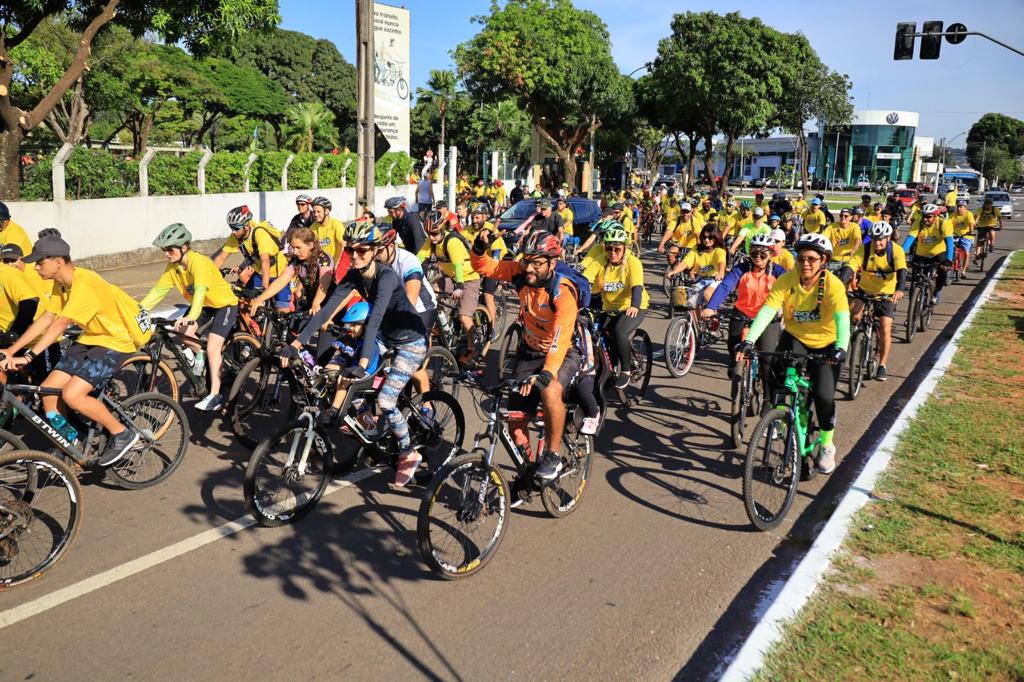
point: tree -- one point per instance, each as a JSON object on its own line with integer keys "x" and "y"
{"x": 669, "y": 105}
{"x": 555, "y": 62}
{"x": 198, "y": 24}
{"x": 440, "y": 92}
{"x": 992, "y": 140}
{"x": 245, "y": 91}
{"x": 308, "y": 123}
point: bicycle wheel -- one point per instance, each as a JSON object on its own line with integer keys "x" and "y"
{"x": 442, "y": 369}
{"x": 924, "y": 317}
{"x": 161, "y": 448}
{"x": 507, "y": 355}
{"x": 40, "y": 511}
{"x": 856, "y": 362}
{"x": 562, "y": 496}
{"x": 10, "y": 442}
{"x": 740, "y": 404}
{"x": 771, "y": 473}
{"x": 238, "y": 350}
{"x": 871, "y": 352}
{"x": 463, "y": 517}
{"x": 261, "y": 397}
{"x": 439, "y": 432}
{"x": 139, "y": 374}
{"x": 641, "y": 364}
{"x": 983, "y": 249}
{"x": 501, "y": 310}
{"x": 912, "y": 311}
{"x": 279, "y": 487}
{"x": 483, "y": 328}
{"x": 680, "y": 346}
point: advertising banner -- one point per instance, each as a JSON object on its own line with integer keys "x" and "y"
{"x": 391, "y": 74}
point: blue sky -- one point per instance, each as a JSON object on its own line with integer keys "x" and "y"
{"x": 855, "y": 38}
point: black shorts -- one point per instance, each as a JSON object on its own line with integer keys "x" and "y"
{"x": 883, "y": 308}
{"x": 93, "y": 364}
{"x": 223, "y": 320}
{"x": 530, "y": 362}
{"x": 490, "y": 285}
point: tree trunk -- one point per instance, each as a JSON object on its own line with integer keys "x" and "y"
{"x": 565, "y": 150}
{"x": 10, "y": 145}
{"x": 802, "y": 143}
{"x": 147, "y": 128}
{"x": 692, "y": 167}
{"x": 729, "y": 140}
{"x": 444, "y": 121}
{"x": 709, "y": 163}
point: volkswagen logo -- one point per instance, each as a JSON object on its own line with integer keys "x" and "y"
{"x": 892, "y": 119}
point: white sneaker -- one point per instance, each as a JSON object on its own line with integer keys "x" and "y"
{"x": 827, "y": 459}
{"x": 210, "y": 403}
{"x": 590, "y": 425}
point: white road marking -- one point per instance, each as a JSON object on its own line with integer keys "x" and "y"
{"x": 126, "y": 570}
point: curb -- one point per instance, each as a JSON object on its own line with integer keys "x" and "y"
{"x": 802, "y": 584}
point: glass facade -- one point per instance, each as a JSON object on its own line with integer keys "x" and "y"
{"x": 857, "y": 153}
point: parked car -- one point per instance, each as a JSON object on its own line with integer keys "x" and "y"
{"x": 1017, "y": 189}
{"x": 1001, "y": 200}
{"x": 837, "y": 185}
{"x": 585, "y": 211}
{"x": 907, "y": 197}
{"x": 863, "y": 185}
{"x": 924, "y": 188}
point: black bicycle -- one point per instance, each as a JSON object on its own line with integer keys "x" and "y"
{"x": 864, "y": 360}
{"x": 922, "y": 292}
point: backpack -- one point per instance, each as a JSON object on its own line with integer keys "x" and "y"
{"x": 888, "y": 255}
{"x": 274, "y": 233}
{"x": 581, "y": 284}
{"x": 452, "y": 234}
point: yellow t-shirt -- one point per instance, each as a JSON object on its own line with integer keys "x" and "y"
{"x": 990, "y": 219}
{"x": 497, "y": 241}
{"x": 845, "y": 240}
{"x": 198, "y": 272}
{"x": 449, "y": 252}
{"x": 331, "y": 236}
{"x": 43, "y": 288}
{"x": 706, "y": 262}
{"x": 951, "y": 198}
{"x": 686, "y": 233}
{"x": 873, "y": 217}
{"x": 567, "y": 219}
{"x": 963, "y": 225}
{"x": 799, "y": 205}
{"x": 627, "y": 221}
{"x": 107, "y": 315}
{"x": 16, "y": 287}
{"x": 726, "y": 222}
{"x": 707, "y": 214}
{"x": 931, "y": 241}
{"x": 479, "y": 191}
{"x": 499, "y": 196}
{"x": 13, "y": 233}
{"x": 812, "y": 325}
{"x": 877, "y": 278}
{"x": 615, "y": 282}
{"x": 814, "y": 220}
{"x": 785, "y": 259}
{"x": 260, "y": 240}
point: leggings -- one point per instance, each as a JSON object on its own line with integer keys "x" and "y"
{"x": 585, "y": 395}
{"x": 823, "y": 380}
{"x": 767, "y": 342}
{"x": 408, "y": 358}
{"x": 621, "y": 327}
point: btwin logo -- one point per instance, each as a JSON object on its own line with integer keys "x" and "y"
{"x": 892, "y": 119}
{"x": 52, "y": 432}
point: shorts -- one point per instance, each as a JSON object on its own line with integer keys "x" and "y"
{"x": 93, "y": 364}
{"x": 530, "y": 362}
{"x": 697, "y": 290}
{"x": 965, "y": 242}
{"x": 490, "y": 285}
{"x": 223, "y": 320}
{"x": 283, "y": 299}
{"x": 470, "y": 296}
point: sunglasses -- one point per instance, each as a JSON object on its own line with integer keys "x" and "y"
{"x": 535, "y": 263}
{"x": 614, "y": 247}
{"x": 237, "y": 228}
{"x": 809, "y": 260}
{"x": 760, "y": 253}
{"x": 302, "y": 203}
{"x": 708, "y": 238}
{"x": 9, "y": 261}
{"x": 359, "y": 250}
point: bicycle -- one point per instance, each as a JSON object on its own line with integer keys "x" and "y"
{"x": 781, "y": 449}
{"x": 40, "y": 514}
{"x": 690, "y": 333}
{"x": 449, "y": 332}
{"x": 959, "y": 269}
{"x": 289, "y": 470}
{"x": 863, "y": 361}
{"x": 159, "y": 422}
{"x": 922, "y": 290}
{"x": 983, "y": 247}
{"x": 470, "y": 491}
{"x": 747, "y": 393}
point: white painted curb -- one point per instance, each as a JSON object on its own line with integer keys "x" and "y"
{"x": 801, "y": 585}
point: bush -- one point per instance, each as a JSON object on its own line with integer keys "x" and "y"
{"x": 225, "y": 172}
{"x": 38, "y": 183}
{"x": 170, "y": 174}
{"x": 265, "y": 174}
{"x": 98, "y": 174}
{"x": 330, "y": 170}
{"x": 399, "y": 174}
{"x": 300, "y": 173}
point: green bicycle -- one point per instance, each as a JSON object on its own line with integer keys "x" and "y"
{"x": 783, "y": 447}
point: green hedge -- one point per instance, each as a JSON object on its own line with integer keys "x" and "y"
{"x": 225, "y": 173}
{"x": 170, "y": 174}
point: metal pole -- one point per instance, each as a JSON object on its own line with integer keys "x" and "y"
{"x": 366, "y": 172}
{"x": 984, "y": 148}
{"x": 590, "y": 180}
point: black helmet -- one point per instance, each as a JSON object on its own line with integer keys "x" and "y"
{"x": 5, "y": 213}
{"x": 394, "y": 202}
{"x": 323, "y": 202}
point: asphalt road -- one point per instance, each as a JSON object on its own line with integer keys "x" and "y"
{"x": 657, "y": 574}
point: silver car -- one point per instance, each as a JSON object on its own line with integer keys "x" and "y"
{"x": 1000, "y": 200}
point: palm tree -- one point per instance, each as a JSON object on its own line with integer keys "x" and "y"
{"x": 308, "y": 121}
{"x": 440, "y": 91}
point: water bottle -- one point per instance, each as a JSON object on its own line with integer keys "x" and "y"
{"x": 446, "y": 324}
{"x": 200, "y": 364}
{"x": 190, "y": 357}
{"x": 307, "y": 358}
{"x": 60, "y": 423}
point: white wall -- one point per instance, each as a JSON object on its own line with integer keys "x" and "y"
{"x": 97, "y": 227}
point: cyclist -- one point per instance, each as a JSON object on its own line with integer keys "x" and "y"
{"x": 12, "y": 255}
{"x": 618, "y": 276}
{"x": 408, "y": 225}
{"x": 567, "y": 217}
{"x": 725, "y": 220}
{"x": 678, "y": 242}
{"x": 498, "y": 251}
{"x": 546, "y": 360}
{"x": 260, "y": 245}
{"x": 780, "y": 255}
{"x": 990, "y": 219}
{"x": 813, "y": 217}
{"x": 393, "y": 320}
{"x": 883, "y": 272}
{"x": 780, "y": 205}
{"x": 11, "y": 232}
{"x": 200, "y": 282}
{"x": 329, "y": 231}
{"x": 304, "y": 217}
{"x": 21, "y": 303}
{"x": 547, "y": 220}
{"x": 451, "y": 251}
{"x": 799, "y": 203}
{"x": 760, "y": 203}
{"x": 963, "y": 228}
{"x": 309, "y": 267}
{"x": 751, "y": 280}
{"x": 597, "y": 231}
{"x": 865, "y": 203}
{"x": 816, "y": 317}
{"x": 499, "y": 194}
{"x": 951, "y": 197}
{"x": 706, "y": 264}
{"x": 626, "y": 218}
{"x": 845, "y": 237}
{"x": 758, "y": 225}
{"x": 113, "y": 327}
{"x": 706, "y": 212}
{"x": 932, "y": 242}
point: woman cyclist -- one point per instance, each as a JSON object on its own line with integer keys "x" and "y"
{"x": 706, "y": 264}
{"x": 309, "y": 266}
{"x": 618, "y": 276}
{"x": 816, "y": 317}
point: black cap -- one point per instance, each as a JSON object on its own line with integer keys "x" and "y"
{"x": 11, "y": 251}
{"x": 47, "y": 248}
{"x": 441, "y": 203}
{"x": 5, "y": 213}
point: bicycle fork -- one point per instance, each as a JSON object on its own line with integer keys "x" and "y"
{"x": 308, "y": 434}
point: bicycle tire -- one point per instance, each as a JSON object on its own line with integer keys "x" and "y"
{"x": 483, "y": 328}
{"x": 561, "y": 500}
{"x": 910, "y": 327}
{"x": 507, "y": 354}
{"x": 740, "y": 405}
{"x": 161, "y": 449}
{"x": 641, "y": 364}
{"x": 43, "y": 475}
{"x": 442, "y": 369}
{"x": 501, "y": 310}
{"x": 239, "y": 349}
{"x": 855, "y": 366}
{"x": 436, "y": 441}
{"x": 137, "y": 374}
{"x": 680, "y": 346}
{"x": 456, "y": 486}
{"x": 10, "y": 442}
{"x": 786, "y": 479}
{"x": 248, "y": 411}
{"x": 924, "y": 318}
{"x": 269, "y": 515}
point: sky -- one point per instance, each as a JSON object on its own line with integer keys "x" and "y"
{"x": 855, "y": 38}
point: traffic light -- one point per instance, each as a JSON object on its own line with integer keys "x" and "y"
{"x": 904, "y": 43}
{"x": 931, "y": 44}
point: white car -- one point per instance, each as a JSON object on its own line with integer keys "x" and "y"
{"x": 1000, "y": 200}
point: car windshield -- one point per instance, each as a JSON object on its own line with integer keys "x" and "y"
{"x": 521, "y": 210}
{"x": 998, "y": 196}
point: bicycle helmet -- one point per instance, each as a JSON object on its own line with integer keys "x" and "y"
{"x": 5, "y": 213}
{"x": 778, "y": 235}
{"x": 758, "y": 212}
{"x": 433, "y": 219}
{"x": 49, "y": 232}
{"x": 931, "y": 209}
{"x": 389, "y": 238}
{"x": 303, "y": 198}
{"x": 881, "y": 229}
{"x": 479, "y": 209}
{"x": 394, "y": 202}
{"x": 745, "y": 204}
{"x": 763, "y": 241}
{"x": 542, "y": 243}
{"x": 775, "y": 219}
{"x": 814, "y": 242}
{"x": 323, "y": 202}
{"x": 239, "y": 216}
{"x": 615, "y": 234}
{"x": 961, "y": 202}
{"x": 356, "y": 313}
{"x": 174, "y": 234}
{"x": 815, "y": 201}
{"x": 685, "y": 207}
{"x": 779, "y": 196}
{"x": 365, "y": 233}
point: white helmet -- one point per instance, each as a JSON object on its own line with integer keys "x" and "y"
{"x": 763, "y": 240}
{"x": 778, "y": 235}
{"x": 880, "y": 230}
{"x": 815, "y": 242}
{"x": 685, "y": 206}
{"x": 930, "y": 209}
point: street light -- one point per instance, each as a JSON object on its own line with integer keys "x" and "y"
{"x": 943, "y": 145}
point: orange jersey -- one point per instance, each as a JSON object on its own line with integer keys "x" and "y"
{"x": 548, "y": 322}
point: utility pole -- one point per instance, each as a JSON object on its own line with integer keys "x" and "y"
{"x": 984, "y": 148}
{"x": 365, "y": 168}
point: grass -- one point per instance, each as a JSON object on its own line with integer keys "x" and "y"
{"x": 930, "y": 582}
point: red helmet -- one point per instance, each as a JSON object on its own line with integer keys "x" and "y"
{"x": 542, "y": 243}
{"x": 389, "y": 238}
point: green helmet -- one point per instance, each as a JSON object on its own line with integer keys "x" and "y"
{"x": 174, "y": 234}
{"x": 615, "y": 234}
{"x": 745, "y": 204}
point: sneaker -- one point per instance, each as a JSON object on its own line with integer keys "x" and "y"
{"x": 590, "y": 425}
{"x": 622, "y": 381}
{"x": 210, "y": 403}
{"x": 827, "y": 459}
{"x": 117, "y": 446}
{"x": 406, "y": 467}
{"x": 549, "y": 466}
{"x": 881, "y": 375}
{"x": 519, "y": 491}
{"x": 937, "y": 298}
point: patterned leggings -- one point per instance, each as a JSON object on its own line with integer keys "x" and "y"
{"x": 408, "y": 358}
